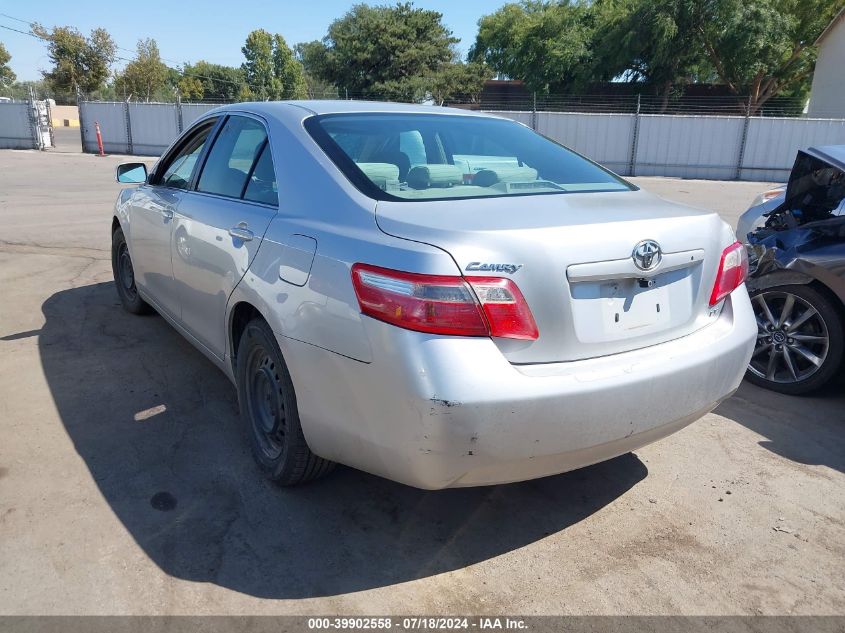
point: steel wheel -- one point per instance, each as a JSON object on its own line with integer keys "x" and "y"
{"x": 792, "y": 338}
{"x": 124, "y": 276}
{"x": 265, "y": 402}
{"x": 126, "y": 273}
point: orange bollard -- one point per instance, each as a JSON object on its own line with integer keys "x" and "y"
{"x": 99, "y": 138}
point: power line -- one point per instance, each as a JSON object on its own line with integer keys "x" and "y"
{"x": 122, "y": 48}
{"x": 181, "y": 71}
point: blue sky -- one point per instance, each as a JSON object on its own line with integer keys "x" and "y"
{"x": 210, "y": 30}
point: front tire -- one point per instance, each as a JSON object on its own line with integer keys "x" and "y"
{"x": 268, "y": 409}
{"x": 799, "y": 340}
{"x": 124, "y": 276}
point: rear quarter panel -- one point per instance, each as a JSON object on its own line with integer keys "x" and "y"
{"x": 316, "y": 203}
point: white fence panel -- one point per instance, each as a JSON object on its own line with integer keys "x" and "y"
{"x": 525, "y": 118}
{"x": 135, "y": 128}
{"x": 154, "y": 126}
{"x": 192, "y": 111}
{"x": 661, "y": 145}
{"x": 688, "y": 146}
{"x": 25, "y": 125}
{"x": 772, "y": 143}
{"x": 604, "y": 138}
{"x": 112, "y": 119}
{"x": 16, "y": 126}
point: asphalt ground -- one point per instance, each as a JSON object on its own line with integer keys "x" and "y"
{"x": 126, "y": 487}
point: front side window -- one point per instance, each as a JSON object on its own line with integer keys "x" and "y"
{"x": 431, "y": 156}
{"x": 230, "y": 161}
{"x": 179, "y": 167}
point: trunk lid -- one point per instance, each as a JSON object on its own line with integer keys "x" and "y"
{"x": 571, "y": 256}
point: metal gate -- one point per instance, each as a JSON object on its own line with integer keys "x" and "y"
{"x": 25, "y": 125}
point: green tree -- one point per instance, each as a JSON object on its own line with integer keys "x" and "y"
{"x": 381, "y": 51}
{"x": 7, "y": 77}
{"x": 288, "y": 71}
{"x": 766, "y": 47}
{"x": 79, "y": 62}
{"x": 146, "y": 75}
{"x": 545, "y": 44}
{"x": 458, "y": 82}
{"x": 191, "y": 88}
{"x": 258, "y": 67}
{"x": 213, "y": 82}
{"x": 271, "y": 71}
{"x": 20, "y": 89}
{"x": 312, "y": 56}
{"x": 652, "y": 41}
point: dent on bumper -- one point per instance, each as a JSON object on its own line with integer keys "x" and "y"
{"x": 437, "y": 412}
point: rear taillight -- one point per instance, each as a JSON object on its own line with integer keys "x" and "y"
{"x": 733, "y": 269}
{"x": 441, "y": 304}
{"x": 505, "y": 308}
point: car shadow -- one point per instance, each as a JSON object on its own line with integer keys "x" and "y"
{"x": 805, "y": 429}
{"x": 157, "y": 426}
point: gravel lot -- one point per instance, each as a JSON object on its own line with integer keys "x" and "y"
{"x": 743, "y": 512}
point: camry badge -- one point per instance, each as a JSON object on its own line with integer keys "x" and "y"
{"x": 647, "y": 255}
{"x": 498, "y": 268}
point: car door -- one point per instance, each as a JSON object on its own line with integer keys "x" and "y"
{"x": 218, "y": 225}
{"x": 151, "y": 219}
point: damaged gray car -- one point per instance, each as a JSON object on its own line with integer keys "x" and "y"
{"x": 796, "y": 244}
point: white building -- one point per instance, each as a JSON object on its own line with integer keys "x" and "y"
{"x": 827, "y": 97}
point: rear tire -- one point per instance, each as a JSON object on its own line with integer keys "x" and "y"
{"x": 801, "y": 351}
{"x": 124, "y": 276}
{"x": 268, "y": 409}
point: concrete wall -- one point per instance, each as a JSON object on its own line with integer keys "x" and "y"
{"x": 827, "y": 97}
{"x": 65, "y": 116}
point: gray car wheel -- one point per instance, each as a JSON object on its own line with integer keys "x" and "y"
{"x": 799, "y": 339}
{"x": 268, "y": 408}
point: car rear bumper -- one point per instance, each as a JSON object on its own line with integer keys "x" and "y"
{"x": 437, "y": 412}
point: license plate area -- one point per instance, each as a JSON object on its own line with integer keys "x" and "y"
{"x": 617, "y": 309}
{"x": 627, "y": 306}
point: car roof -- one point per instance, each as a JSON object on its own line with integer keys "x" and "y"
{"x": 273, "y": 108}
{"x": 833, "y": 154}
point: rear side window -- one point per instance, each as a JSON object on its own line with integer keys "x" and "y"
{"x": 435, "y": 157}
{"x": 230, "y": 161}
{"x": 262, "y": 183}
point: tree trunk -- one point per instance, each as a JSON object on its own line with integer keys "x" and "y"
{"x": 664, "y": 102}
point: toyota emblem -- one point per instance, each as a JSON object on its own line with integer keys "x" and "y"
{"x": 647, "y": 255}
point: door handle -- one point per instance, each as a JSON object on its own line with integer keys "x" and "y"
{"x": 240, "y": 232}
{"x": 166, "y": 210}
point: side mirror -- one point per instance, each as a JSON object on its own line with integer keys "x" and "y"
{"x": 131, "y": 173}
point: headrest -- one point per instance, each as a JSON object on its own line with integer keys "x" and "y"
{"x": 426, "y": 176}
{"x": 380, "y": 173}
{"x": 488, "y": 177}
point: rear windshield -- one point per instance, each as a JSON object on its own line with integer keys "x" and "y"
{"x": 430, "y": 156}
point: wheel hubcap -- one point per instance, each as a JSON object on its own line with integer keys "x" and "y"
{"x": 792, "y": 338}
{"x": 266, "y": 403}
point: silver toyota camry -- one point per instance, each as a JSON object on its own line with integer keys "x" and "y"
{"x": 439, "y": 297}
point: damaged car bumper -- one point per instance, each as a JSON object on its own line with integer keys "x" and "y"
{"x": 438, "y": 412}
